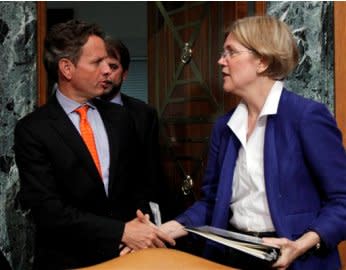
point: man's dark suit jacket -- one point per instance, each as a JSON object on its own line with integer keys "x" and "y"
{"x": 147, "y": 129}
{"x": 76, "y": 223}
{"x": 4, "y": 265}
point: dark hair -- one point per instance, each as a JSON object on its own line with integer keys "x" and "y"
{"x": 65, "y": 40}
{"x": 117, "y": 50}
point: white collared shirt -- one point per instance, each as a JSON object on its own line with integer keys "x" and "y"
{"x": 117, "y": 99}
{"x": 249, "y": 203}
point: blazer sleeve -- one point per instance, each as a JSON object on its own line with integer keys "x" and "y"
{"x": 53, "y": 213}
{"x": 325, "y": 154}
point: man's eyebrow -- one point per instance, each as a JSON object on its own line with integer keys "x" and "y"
{"x": 98, "y": 58}
{"x": 114, "y": 65}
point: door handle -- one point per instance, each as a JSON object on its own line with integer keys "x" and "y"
{"x": 186, "y": 54}
{"x": 187, "y": 185}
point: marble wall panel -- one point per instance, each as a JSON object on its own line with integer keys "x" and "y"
{"x": 312, "y": 25}
{"x": 17, "y": 98}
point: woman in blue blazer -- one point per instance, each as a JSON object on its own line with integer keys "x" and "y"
{"x": 276, "y": 164}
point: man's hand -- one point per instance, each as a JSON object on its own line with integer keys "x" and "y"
{"x": 140, "y": 233}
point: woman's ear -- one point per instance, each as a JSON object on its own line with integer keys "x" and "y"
{"x": 66, "y": 68}
{"x": 262, "y": 65}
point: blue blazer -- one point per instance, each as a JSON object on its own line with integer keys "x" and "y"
{"x": 305, "y": 178}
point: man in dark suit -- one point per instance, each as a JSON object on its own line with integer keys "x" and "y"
{"x": 83, "y": 201}
{"x": 144, "y": 116}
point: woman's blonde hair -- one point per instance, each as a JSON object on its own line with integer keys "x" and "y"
{"x": 270, "y": 39}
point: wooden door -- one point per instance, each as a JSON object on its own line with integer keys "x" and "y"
{"x": 185, "y": 39}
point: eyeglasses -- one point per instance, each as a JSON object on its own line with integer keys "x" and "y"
{"x": 232, "y": 53}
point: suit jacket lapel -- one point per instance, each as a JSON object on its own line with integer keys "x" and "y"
{"x": 69, "y": 134}
{"x": 113, "y": 139}
{"x": 125, "y": 100}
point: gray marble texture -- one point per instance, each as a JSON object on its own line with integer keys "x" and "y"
{"x": 17, "y": 98}
{"x": 312, "y": 25}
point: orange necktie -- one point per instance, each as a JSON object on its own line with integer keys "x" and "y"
{"x": 88, "y": 135}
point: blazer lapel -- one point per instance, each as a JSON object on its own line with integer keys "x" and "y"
{"x": 271, "y": 170}
{"x": 230, "y": 147}
{"x": 69, "y": 134}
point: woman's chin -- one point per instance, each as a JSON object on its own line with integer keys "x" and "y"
{"x": 228, "y": 89}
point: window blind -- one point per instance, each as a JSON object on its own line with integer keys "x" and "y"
{"x": 136, "y": 84}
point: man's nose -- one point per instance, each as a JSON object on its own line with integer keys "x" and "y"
{"x": 105, "y": 69}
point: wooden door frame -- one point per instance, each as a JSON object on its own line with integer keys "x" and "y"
{"x": 340, "y": 66}
{"x": 41, "y": 9}
{"x": 339, "y": 85}
{"x": 339, "y": 60}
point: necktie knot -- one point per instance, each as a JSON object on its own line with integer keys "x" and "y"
{"x": 82, "y": 111}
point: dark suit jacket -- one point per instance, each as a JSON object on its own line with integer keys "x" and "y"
{"x": 76, "y": 223}
{"x": 305, "y": 178}
{"x": 4, "y": 265}
{"x": 147, "y": 129}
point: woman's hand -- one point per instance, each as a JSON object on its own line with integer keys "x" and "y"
{"x": 173, "y": 228}
{"x": 291, "y": 250}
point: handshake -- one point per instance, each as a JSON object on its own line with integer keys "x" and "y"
{"x": 141, "y": 233}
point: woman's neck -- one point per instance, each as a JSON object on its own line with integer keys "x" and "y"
{"x": 256, "y": 96}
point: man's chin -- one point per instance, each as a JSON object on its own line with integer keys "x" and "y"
{"x": 109, "y": 93}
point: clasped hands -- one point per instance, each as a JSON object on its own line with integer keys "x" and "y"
{"x": 141, "y": 233}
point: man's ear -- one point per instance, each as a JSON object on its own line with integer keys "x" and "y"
{"x": 66, "y": 68}
{"x": 125, "y": 73}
